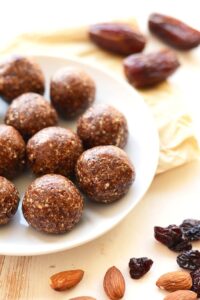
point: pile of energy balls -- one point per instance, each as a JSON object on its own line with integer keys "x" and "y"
{"x": 70, "y": 166}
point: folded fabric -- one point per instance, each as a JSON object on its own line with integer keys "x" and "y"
{"x": 178, "y": 144}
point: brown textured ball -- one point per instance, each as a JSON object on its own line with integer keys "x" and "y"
{"x": 30, "y": 113}
{"x": 9, "y": 200}
{"x": 12, "y": 151}
{"x": 72, "y": 91}
{"x": 102, "y": 125}
{"x": 19, "y": 75}
{"x": 52, "y": 204}
{"x": 104, "y": 173}
{"x": 54, "y": 150}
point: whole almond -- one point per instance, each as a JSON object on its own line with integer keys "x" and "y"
{"x": 83, "y": 298}
{"x": 114, "y": 283}
{"x": 66, "y": 280}
{"x": 119, "y": 38}
{"x": 174, "y": 281}
{"x": 181, "y": 295}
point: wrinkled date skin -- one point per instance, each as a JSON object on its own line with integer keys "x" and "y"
{"x": 174, "y": 32}
{"x": 144, "y": 70}
{"x": 117, "y": 37}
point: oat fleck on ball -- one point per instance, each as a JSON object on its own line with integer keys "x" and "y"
{"x": 54, "y": 150}
{"x": 104, "y": 173}
{"x": 19, "y": 75}
{"x": 12, "y": 151}
{"x": 29, "y": 113}
{"x": 72, "y": 91}
{"x": 9, "y": 200}
{"x": 52, "y": 204}
{"x": 102, "y": 125}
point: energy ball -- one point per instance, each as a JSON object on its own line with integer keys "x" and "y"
{"x": 52, "y": 204}
{"x": 104, "y": 173}
{"x": 12, "y": 151}
{"x": 72, "y": 91}
{"x": 9, "y": 200}
{"x": 30, "y": 113}
{"x": 54, "y": 150}
{"x": 19, "y": 75}
{"x": 102, "y": 125}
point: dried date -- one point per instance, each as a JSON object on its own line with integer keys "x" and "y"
{"x": 174, "y": 32}
{"x": 143, "y": 70}
{"x": 119, "y": 38}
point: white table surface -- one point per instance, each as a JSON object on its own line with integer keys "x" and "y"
{"x": 172, "y": 197}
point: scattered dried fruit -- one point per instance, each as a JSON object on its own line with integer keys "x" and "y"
{"x": 66, "y": 280}
{"x": 139, "y": 266}
{"x": 189, "y": 260}
{"x": 114, "y": 284}
{"x": 196, "y": 281}
{"x": 174, "y": 32}
{"x": 181, "y": 295}
{"x": 174, "y": 281}
{"x": 191, "y": 229}
{"x": 172, "y": 237}
{"x": 117, "y": 37}
{"x": 87, "y": 298}
{"x": 143, "y": 70}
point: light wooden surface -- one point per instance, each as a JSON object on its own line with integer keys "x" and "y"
{"x": 172, "y": 196}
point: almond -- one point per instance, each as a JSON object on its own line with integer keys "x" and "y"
{"x": 181, "y": 295}
{"x": 114, "y": 284}
{"x": 83, "y": 298}
{"x": 174, "y": 281}
{"x": 65, "y": 280}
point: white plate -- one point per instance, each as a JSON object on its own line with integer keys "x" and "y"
{"x": 18, "y": 238}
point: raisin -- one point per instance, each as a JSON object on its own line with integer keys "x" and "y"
{"x": 172, "y": 237}
{"x": 139, "y": 266}
{"x": 188, "y": 223}
{"x": 196, "y": 281}
{"x": 191, "y": 229}
{"x": 189, "y": 260}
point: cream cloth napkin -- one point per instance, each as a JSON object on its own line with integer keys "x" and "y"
{"x": 178, "y": 144}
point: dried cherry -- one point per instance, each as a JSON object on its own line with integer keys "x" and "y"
{"x": 139, "y": 266}
{"x": 172, "y": 237}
